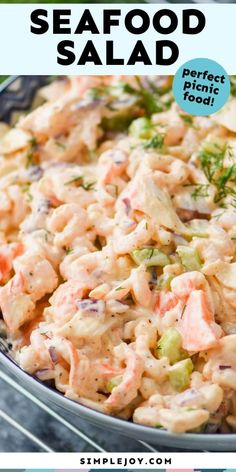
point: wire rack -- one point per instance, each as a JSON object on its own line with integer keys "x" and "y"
{"x": 25, "y": 419}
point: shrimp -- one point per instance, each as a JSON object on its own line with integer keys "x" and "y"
{"x": 175, "y": 128}
{"x": 126, "y": 243}
{"x": 67, "y": 222}
{"x": 8, "y": 252}
{"x": 13, "y": 208}
{"x": 220, "y": 365}
{"x": 146, "y": 337}
{"x": 217, "y": 246}
{"x": 127, "y": 390}
{"x": 63, "y": 301}
{"x": 37, "y": 274}
{"x": 111, "y": 164}
{"x": 17, "y": 307}
{"x": 167, "y": 171}
{"x": 183, "y": 285}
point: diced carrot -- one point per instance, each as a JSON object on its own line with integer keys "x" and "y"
{"x": 197, "y": 326}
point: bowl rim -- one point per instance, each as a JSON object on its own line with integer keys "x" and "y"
{"x": 191, "y": 441}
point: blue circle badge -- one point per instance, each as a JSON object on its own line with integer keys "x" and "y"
{"x": 201, "y": 87}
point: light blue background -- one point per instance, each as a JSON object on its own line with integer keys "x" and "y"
{"x": 201, "y": 65}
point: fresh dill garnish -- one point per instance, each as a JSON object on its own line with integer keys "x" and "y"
{"x": 60, "y": 145}
{"x": 69, "y": 250}
{"x": 233, "y": 85}
{"x": 150, "y": 98}
{"x": 154, "y": 143}
{"x": 29, "y": 197}
{"x": 187, "y": 119}
{"x": 211, "y": 158}
{"x": 201, "y": 190}
{"x": 79, "y": 180}
{"x": 222, "y": 178}
{"x": 116, "y": 189}
{"x": 88, "y": 185}
{"x": 76, "y": 178}
{"x": 25, "y": 187}
{"x": 182, "y": 313}
{"x": 30, "y": 156}
{"x": 147, "y": 98}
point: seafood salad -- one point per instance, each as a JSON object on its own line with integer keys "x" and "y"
{"x": 118, "y": 250}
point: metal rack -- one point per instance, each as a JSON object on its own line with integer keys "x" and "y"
{"x": 40, "y": 442}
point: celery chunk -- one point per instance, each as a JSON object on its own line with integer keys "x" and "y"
{"x": 170, "y": 345}
{"x": 197, "y": 228}
{"x": 141, "y": 128}
{"x": 189, "y": 257}
{"x": 180, "y": 373}
{"x": 164, "y": 281}
{"x": 150, "y": 257}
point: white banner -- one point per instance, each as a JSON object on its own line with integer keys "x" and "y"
{"x": 119, "y": 461}
{"x": 114, "y": 39}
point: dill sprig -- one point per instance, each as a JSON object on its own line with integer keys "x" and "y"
{"x": 222, "y": 178}
{"x": 187, "y": 119}
{"x": 79, "y": 181}
{"x": 150, "y": 99}
{"x": 201, "y": 190}
{"x": 156, "y": 142}
{"x": 30, "y": 156}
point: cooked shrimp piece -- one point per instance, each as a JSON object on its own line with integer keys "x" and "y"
{"x": 217, "y": 246}
{"x": 127, "y": 390}
{"x": 17, "y": 307}
{"x": 37, "y": 274}
{"x": 111, "y": 164}
{"x": 146, "y": 338}
{"x": 55, "y": 118}
{"x": 175, "y": 128}
{"x": 13, "y": 208}
{"x": 183, "y": 285}
{"x": 181, "y": 420}
{"x": 63, "y": 301}
{"x": 67, "y": 222}
{"x": 148, "y": 412}
{"x": 220, "y": 365}
{"x": 125, "y": 243}
{"x": 168, "y": 171}
{"x": 8, "y": 252}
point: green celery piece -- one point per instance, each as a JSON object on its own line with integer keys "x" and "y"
{"x": 197, "y": 228}
{"x": 189, "y": 257}
{"x": 164, "y": 281}
{"x": 150, "y": 257}
{"x": 180, "y": 373}
{"x": 141, "y": 128}
{"x": 170, "y": 346}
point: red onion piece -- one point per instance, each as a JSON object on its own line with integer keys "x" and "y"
{"x": 127, "y": 204}
{"x": 53, "y": 354}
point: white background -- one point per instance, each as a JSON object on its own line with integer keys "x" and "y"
{"x": 70, "y": 460}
